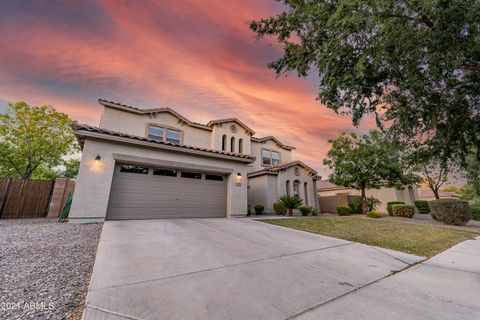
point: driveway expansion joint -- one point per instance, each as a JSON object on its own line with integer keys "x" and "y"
{"x": 219, "y": 268}
{"x": 357, "y": 288}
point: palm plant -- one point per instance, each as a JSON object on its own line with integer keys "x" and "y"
{"x": 290, "y": 202}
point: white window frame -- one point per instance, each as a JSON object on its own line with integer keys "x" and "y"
{"x": 270, "y": 157}
{"x": 165, "y": 132}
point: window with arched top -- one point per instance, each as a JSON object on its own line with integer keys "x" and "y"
{"x": 296, "y": 188}
{"x": 232, "y": 144}
{"x": 287, "y": 185}
{"x": 240, "y": 145}
{"x": 305, "y": 187}
{"x": 224, "y": 142}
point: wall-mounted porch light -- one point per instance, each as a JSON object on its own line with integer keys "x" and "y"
{"x": 97, "y": 160}
{"x": 239, "y": 179}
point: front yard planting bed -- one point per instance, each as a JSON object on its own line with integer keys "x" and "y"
{"x": 45, "y": 268}
{"x": 418, "y": 239}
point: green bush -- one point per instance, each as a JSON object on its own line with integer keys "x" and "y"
{"x": 356, "y": 205}
{"x": 451, "y": 211}
{"x": 422, "y": 206}
{"x": 304, "y": 210}
{"x": 390, "y": 204}
{"x": 344, "y": 210}
{"x": 259, "y": 209}
{"x": 279, "y": 208}
{"x": 308, "y": 210}
{"x": 475, "y": 210}
{"x": 403, "y": 210}
{"x": 374, "y": 214}
{"x": 290, "y": 202}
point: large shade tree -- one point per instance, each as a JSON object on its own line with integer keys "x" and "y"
{"x": 414, "y": 64}
{"x": 33, "y": 140}
{"x": 368, "y": 161}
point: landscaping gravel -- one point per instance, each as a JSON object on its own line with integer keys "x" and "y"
{"x": 45, "y": 268}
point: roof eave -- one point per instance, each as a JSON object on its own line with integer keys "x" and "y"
{"x": 81, "y": 134}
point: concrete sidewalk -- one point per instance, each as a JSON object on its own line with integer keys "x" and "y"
{"x": 245, "y": 269}
{"x": 446, "y": 286}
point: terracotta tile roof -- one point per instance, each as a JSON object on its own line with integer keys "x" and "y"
{"x": 283, "y": 166}
{"x": 327, "y": 185}
{"x": 274, "y": 139}
{"x": 79, "y": 128}
{"x": 117, "y": 105}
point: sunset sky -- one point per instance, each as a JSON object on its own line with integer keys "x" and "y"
{"x": 197, "y": 57}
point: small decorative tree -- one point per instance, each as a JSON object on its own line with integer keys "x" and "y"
{"x": 366, "y": 162}
{"x": 290, "y": 202}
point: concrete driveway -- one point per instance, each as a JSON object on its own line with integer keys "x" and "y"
{"x": 241, "y": 269}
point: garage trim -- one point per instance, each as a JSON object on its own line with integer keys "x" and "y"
{"x": 169, "y": 164}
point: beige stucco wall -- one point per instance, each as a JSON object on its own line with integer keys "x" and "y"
{"x": 93, "y": 184}
{"x": 266, "y": 189}
{"x": 224, "y": 129}
{"x": 384, "y": 195}
{"x": 136, "y": 124}
{"x": 285, "y": 155}
{"x": 289, "y": 174}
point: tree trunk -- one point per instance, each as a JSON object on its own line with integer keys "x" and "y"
{"x": 364, "y": 201}
{"x": 290, "y": 211}
{"x": 435, "y": 193}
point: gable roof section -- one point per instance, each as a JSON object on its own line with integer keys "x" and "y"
{"x": 276, "y": 169}
{"x": 83, "y": 131}
{"x": 220, "y": 121}
{"x": 127, "y": 108}
{"x": 284, "y": 146}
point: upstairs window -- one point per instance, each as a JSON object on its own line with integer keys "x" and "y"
{"x": 155, "y": 132}
{"x": 232, "y": 144}
{"x": 296, "y": 188}
{"x": 275, "y": 158}
{"x": 270, "y": 158}
{"x": 173, "y": 136}
{"x": 265, "y": 157}
{"x": 164, "y": 134}
{"x": 224, "y": 142}
{"x": 240, "y": 145}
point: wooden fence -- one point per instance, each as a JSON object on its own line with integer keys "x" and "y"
{"x": 25, "y": 198}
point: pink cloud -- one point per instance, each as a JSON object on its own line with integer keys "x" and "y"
{"x": 199, "y": 58}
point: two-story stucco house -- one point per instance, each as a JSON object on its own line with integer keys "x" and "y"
{"x": 155, "y": 163}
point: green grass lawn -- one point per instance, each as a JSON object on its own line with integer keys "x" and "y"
{"x": 418, "y": 239}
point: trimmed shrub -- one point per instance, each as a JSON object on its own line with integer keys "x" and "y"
{"x": 344, "y": 210}
{"x": 259, "y": 209}
{"x": 308, "y": 210}
{"x": 279, "y": 208}
{"x": 304, "y": 210}
{"x": 374, "y": 214}
{"x": 356, "y": 205}
{"x": 390, "y": 204}
{"x": 451, "y": 211}
{"x": 422, "y": 206}
{"x": 403, "y": 210}
{"x": 475, "y": 210}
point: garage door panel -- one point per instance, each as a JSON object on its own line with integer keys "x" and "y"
{"x": 148, "y": 196}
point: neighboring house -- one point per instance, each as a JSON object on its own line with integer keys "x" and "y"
{"x": 330, "y": 194}
{"x": 155, "y": 163}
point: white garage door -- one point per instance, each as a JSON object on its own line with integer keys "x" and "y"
{"x": 142, "y": 192}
